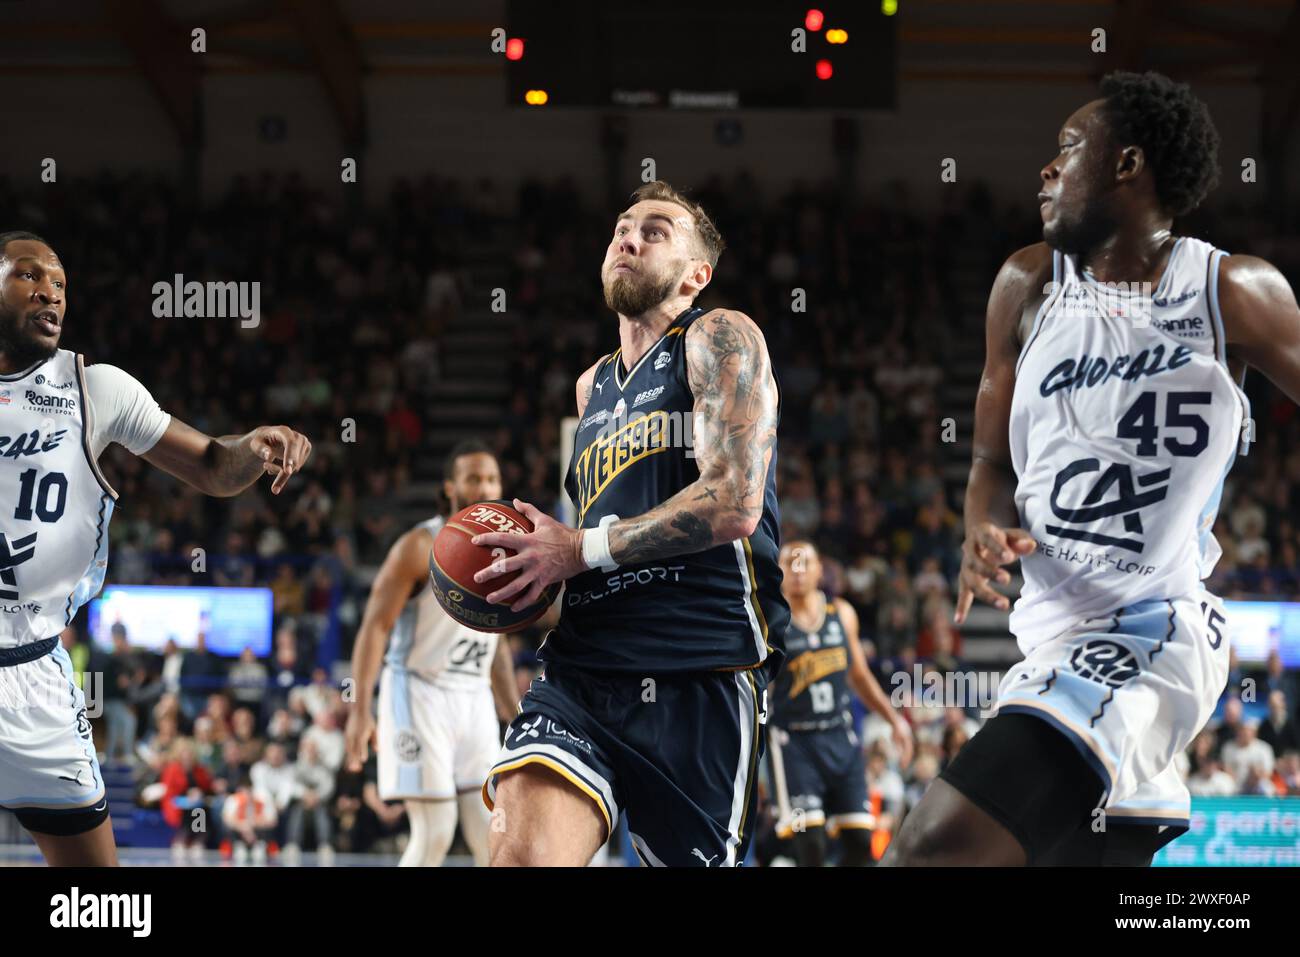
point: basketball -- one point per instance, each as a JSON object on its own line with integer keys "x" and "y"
{"x": 455, "y": 560}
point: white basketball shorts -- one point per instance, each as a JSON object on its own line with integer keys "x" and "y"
{"x": 47, "y": 754}
{"x": 1130, "y": 691}
{"x": 434, "y": 742}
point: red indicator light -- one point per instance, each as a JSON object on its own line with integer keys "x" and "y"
{"x": 824, "y": 69}
{"x": 514, "y": 49}
{"x": 813, "y": 20}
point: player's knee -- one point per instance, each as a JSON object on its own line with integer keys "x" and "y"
{"x": 923, "y": 840}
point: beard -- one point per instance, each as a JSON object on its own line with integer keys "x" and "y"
{"x": 633, "y": 294}
{"x": 21, "y": 348}
{"x": 1074, "y": 235}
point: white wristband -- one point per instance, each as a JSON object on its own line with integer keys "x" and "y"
{"x": 595, "y": 545}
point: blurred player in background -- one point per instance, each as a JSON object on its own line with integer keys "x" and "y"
{"x": 438, "y": 732}
{"x": 655, "y": 681}
{"x": 817, "y": 766}
{"x": 1106, "y": 422}
{"x": 56, "y": 418}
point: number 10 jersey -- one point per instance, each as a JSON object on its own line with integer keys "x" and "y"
{"x": 55, "y": 505}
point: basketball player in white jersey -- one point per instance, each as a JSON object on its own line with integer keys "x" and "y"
{"x": 57, "y": 416}
{"x": 437, "y": 732}
{"x": 1104, "y": 427}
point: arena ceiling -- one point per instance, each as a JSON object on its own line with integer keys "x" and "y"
{"x": 343, "y": 41}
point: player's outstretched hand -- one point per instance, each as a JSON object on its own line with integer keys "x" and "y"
{"x": 281, "y": 450}
{"x": 986, "y": 549}
{"x": 550, "y": 553}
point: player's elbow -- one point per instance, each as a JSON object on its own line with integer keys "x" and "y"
{"x": 741, "y": 524}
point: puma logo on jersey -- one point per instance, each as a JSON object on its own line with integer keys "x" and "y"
{"x": 708, "y": 861}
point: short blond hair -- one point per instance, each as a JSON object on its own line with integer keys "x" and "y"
{"x": 710, "y": 240}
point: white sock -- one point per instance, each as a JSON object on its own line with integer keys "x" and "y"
{"x": 433, "y": 825}
{"x": 474, "y": 821}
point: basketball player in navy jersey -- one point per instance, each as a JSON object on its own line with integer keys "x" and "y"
{"x": 56, "y": 417}
{"x": 1104, "y": 427}
{"x": 818, "y": 769}
{"x": 653, "y": 694}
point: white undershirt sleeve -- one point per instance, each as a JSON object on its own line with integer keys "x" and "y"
{"x": 122, "y": 411}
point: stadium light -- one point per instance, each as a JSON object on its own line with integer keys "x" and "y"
{"x": 813, "y": 20}
{"x": 837, "y": 36}
{"x": 536, "y": 97}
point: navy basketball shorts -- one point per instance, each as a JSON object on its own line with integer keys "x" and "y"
{"x": 677, "y": 754}
{"x": 820, "y": 778}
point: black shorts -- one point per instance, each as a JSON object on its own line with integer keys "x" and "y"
{"x": 825, "y": 776}
{"x": 676, "y": 753}
{"x": 1031, "y": 779}
{"x": 62, "y": 822}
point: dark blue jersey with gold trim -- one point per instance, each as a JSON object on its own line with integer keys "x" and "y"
{"x": 812, "y": 690}
{"x": 719, "y": 608}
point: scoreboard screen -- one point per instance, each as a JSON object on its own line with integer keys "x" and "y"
{"x": 687, "y": 54}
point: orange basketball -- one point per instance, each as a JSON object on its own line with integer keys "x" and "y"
{"x": 455, "y": 559}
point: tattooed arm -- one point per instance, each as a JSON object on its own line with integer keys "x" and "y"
{"x": 733, "y": 434}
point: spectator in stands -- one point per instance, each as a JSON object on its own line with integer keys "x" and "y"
{"x": 274, "y": 776}
{"x": 248, "y": 680}
{"x": 319, "y": 695}
{"x": 186, "y": 785}
{"x": 1211, "y": 780}
{"x": 1246, "y": 755}
{"x": 249, "y": 816}
{"x": 315, "y": 786}
{"x": 1278, "y": 678}
{"x": 201, "y": 673}
{"x": 282, "y": 729}
{"x": 924, "y": 770}
{"x": 884, "y": 781}
{"x": 243, "y": 732}
{"x": 1286, "y": 775}
{"x": 156, "y": 751}
{"x": 325, "y": 736}
{"x": 119, "y": 681}
{"x": 1279, "y": 730}
{"x": 1231, "y": 722}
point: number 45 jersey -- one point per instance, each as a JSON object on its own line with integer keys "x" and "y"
{"x": 429, "y": 643}
{"x": 1124, "y": 424}
{"x": 54, "y": 503}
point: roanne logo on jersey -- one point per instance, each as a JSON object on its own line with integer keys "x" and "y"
{"x": 58, "y": 404}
